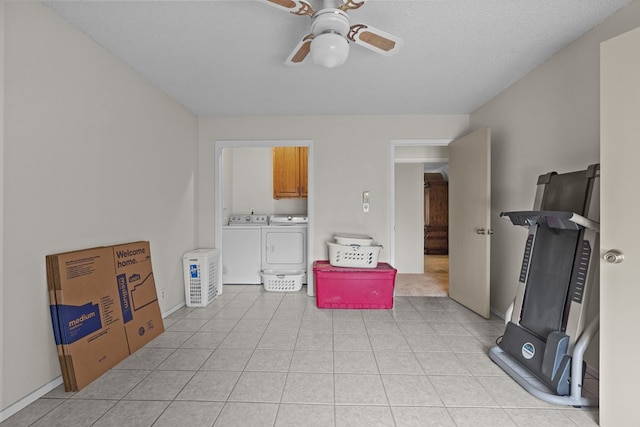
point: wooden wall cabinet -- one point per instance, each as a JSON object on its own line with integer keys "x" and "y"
{"x": 436, "y": 214}
{"x": 290, "y": 172}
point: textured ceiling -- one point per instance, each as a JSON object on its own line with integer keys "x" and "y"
{"x": 226, "y": 58}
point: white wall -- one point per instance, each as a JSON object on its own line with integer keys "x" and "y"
{"x": 93, "y": 155}
{"x": 547, "y": 121}
{"x": 252, "y": 184}
{"x": 351, "y": 155}
{"x": 432, "y": 153}
{"x": 252, "y": 187}
{"x": 409, "y": 218}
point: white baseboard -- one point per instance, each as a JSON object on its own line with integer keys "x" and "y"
{"x": 593, "y": 372}
{"x": 497, "y": 313}
{"x": 37, "y": 394}
{"x": 173, "y": 309}
{"x": 29, "y": 399}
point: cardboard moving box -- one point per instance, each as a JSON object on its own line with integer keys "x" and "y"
{"x": 103, "y": 307}
{"x": 86, "y": 316}
{"x": 140, "y": 309}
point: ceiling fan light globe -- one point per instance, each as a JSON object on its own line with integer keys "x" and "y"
{"x": 329, "y": 50}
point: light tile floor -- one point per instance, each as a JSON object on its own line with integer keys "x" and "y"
{"x": 253, "y": 358}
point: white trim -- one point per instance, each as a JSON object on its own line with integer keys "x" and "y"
{"x": 2, "y": 241}
{"x": 593, "y": 372}
{"x": 219, "y": 145}
{"x": 50, "y": 386}
{"x": 421, "y": 160}
{"x": 497, "y": 313}
{"x": 37, "y": 394}
{"x": 392, "y": 180}
{"x": 30, "y": 398}
{"x": 421, "y": 142}
{"x": 173, "y": 310}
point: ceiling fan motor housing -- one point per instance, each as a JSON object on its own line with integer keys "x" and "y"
{"x": 330, "y": 21}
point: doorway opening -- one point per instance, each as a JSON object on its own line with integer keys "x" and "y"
{"x": 419, "y": 211}
{"x": 223, "y": 198}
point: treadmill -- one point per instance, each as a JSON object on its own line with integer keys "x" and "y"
{"x": 547, "y": 330}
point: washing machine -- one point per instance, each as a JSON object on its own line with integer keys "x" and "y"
{"x": 284, "y": 243}
{"x": 242, "y": 249}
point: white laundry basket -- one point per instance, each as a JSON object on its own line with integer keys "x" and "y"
{"x": 353, "y": 255}
{"x": 201, "y": 276}
{"x": 282, "y": 281}
{"x": 354, "y": 239}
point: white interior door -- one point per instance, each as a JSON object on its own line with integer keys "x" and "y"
{"x": 620, "y": 204}
{"x": 469, "y": 220}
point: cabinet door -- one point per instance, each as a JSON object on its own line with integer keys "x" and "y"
{"x": 303, "y": 158}
{"x": 289, "y": 172}
{"x": 286, "y": 172}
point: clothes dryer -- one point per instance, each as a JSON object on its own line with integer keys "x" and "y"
{"x": 284, "y": 243}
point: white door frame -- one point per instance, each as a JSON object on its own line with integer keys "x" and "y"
{"x": 218, "y": 196}
{"x": 392, "y": 180}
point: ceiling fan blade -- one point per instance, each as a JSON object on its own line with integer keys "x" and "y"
{"x": 374, "y": 39}
{"x": 352, "y": 4}
{"x": 301, "y": 51}
{"x": 297, "y": 7}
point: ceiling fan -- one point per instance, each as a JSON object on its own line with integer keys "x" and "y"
{"x": 331, "y": 32}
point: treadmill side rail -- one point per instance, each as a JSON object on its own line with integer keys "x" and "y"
{"x": 552, "y": 219}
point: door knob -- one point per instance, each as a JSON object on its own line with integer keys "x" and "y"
{"x": 613, "y": 256}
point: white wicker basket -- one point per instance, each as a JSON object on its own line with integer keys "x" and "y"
{"x": 282, "y": 281}
{"x": 353, "y": 255}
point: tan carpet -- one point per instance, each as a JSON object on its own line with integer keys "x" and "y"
{"x": 434, "y": 283}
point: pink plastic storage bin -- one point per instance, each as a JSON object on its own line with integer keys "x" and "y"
{"x": 354, "y": 288}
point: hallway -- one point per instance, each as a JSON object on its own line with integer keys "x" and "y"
{"x": 433, "y": 283}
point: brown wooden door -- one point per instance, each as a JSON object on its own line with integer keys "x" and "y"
{"x": 436, "y": 202}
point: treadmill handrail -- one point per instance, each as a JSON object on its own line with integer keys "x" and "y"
{"x": 551, "y": 219}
